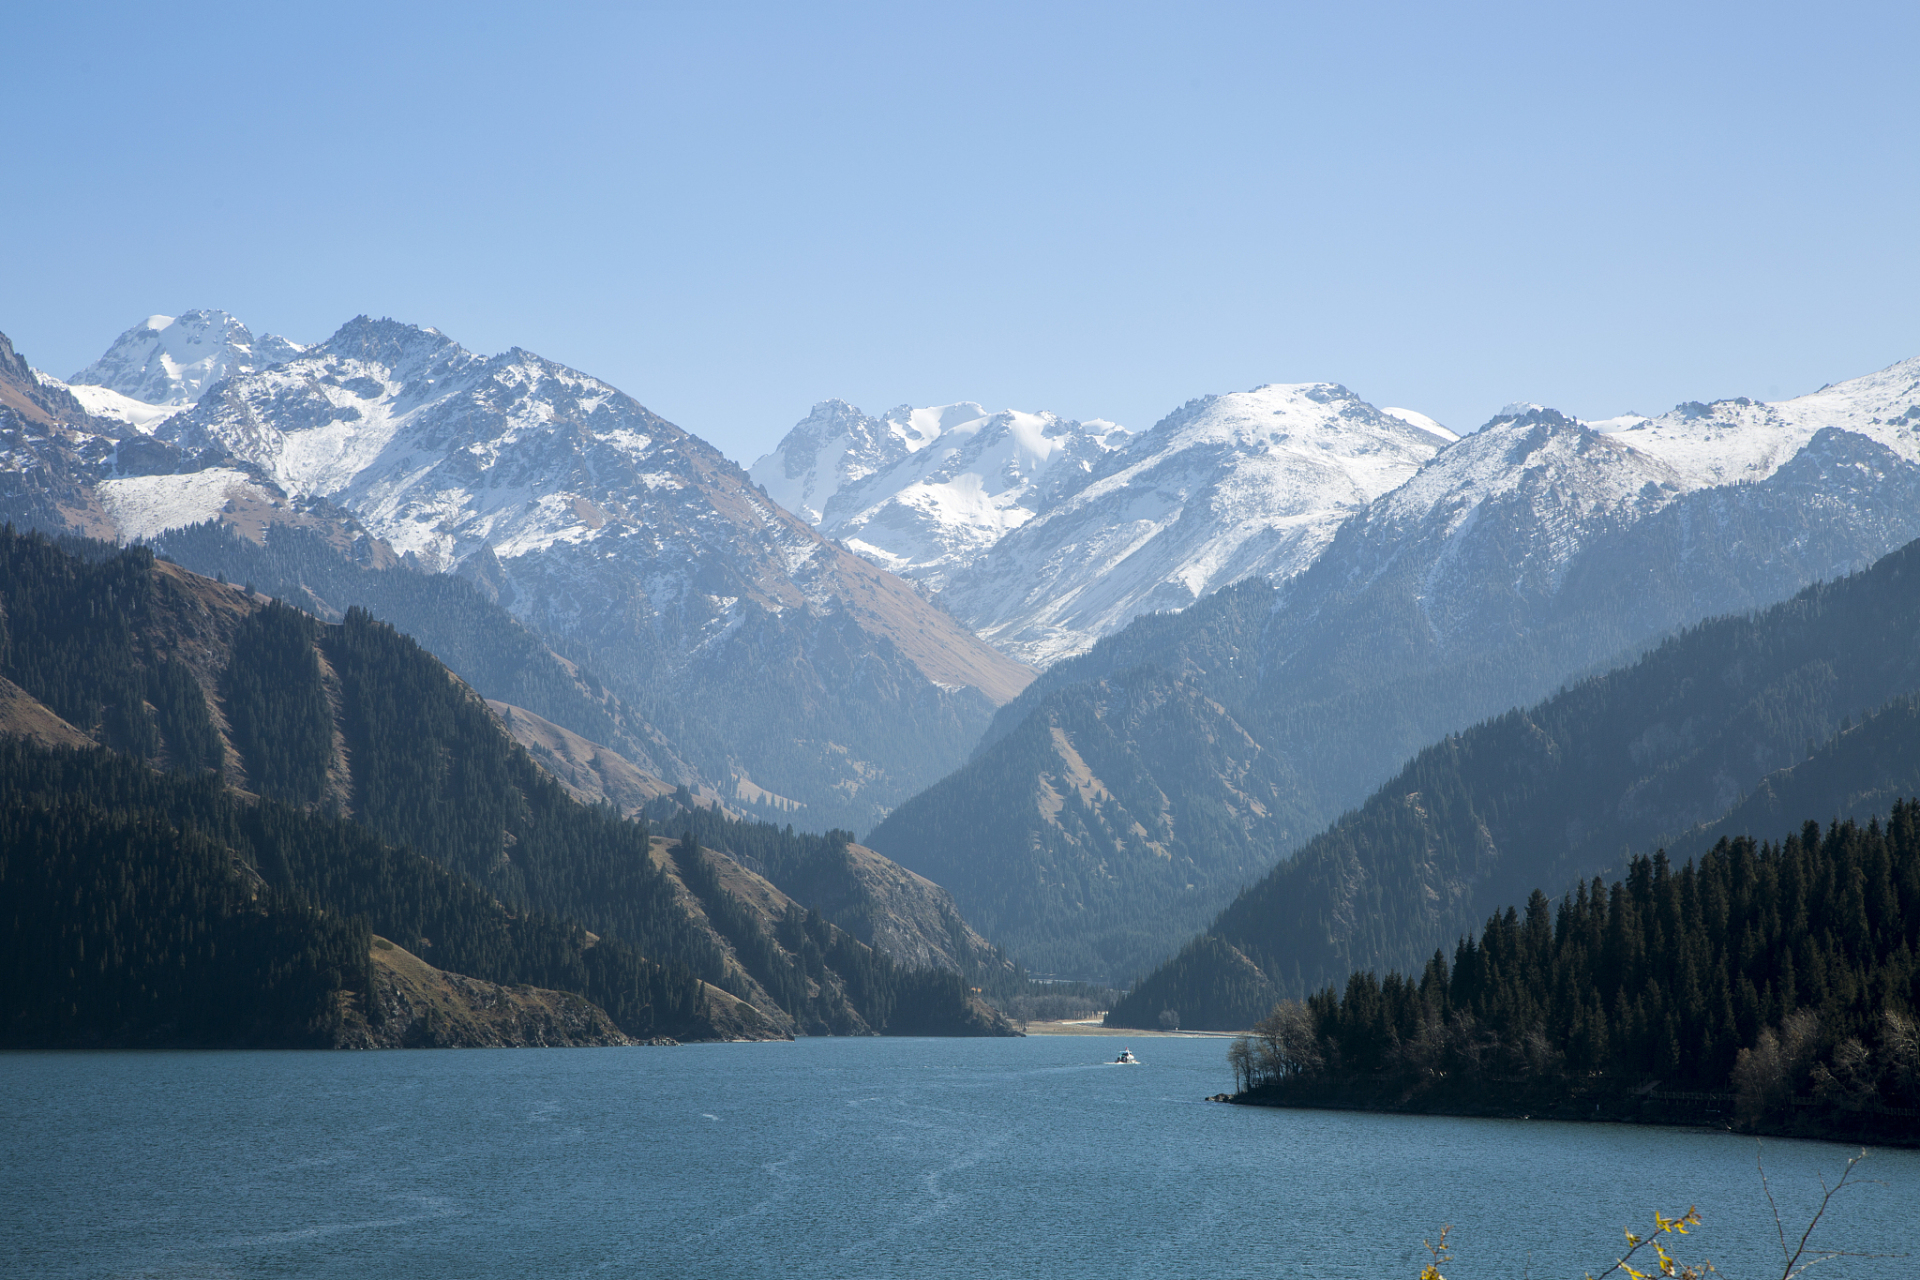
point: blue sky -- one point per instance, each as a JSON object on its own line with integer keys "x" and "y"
{"x": 732, "y": 211}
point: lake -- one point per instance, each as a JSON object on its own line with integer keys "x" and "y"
{"x": 841, "y": 1158}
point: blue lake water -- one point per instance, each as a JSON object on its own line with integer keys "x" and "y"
{"x": 840, "y": 1158}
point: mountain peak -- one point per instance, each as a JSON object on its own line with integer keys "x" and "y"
{"x": 1740, "y": 440}
{"x": 924, "y": 491}
{"x": 1528, "y": 414}
{"x": 1226, "y": 487}
{"x": 173, "y": 360}
{"x": 385, "y": 341}
{"x": 836, "y": 447}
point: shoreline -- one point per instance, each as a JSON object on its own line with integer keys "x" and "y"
{"x": 1092, "y": 1027}
{"x": 1654, "y": 1111}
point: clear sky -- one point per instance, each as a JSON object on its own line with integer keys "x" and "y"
{"x": 732, "y": 211}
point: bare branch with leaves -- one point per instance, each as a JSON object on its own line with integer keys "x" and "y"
{"x": 1797, "y": 1257}
{"x": 1665, "y": 1228}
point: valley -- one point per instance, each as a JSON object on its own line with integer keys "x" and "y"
{"x": 975, "y": 642}
{"x": 1198, "y": 719}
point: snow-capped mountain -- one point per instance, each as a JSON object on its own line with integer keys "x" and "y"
{"x": 1534, "y": 495}
{"x": 924, "y": 491}
{"x": 1532, "y": 552}
{"x": 167, "y": 362}
{"x": 837, "y": 445}
{"x": 1511, "y": 504}
{"x": 796, "y": 667}
{"x": 1743, "y": 441}
{"x": 152, "y": 372}
{"x": 1042, "y": 560}
{"x": 1224, "y": 488}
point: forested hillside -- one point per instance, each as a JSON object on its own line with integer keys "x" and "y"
{"x": 1858, "y": 773}
{"x": 453, "y": 616}
{"x": 1775, "y": 984}
{"x": 1554, "y": 794}
{"x": 379, "y": 772}
{"x": 152, "y": 908}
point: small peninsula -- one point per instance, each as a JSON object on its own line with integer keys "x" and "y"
{"x": 1764, "y": 987}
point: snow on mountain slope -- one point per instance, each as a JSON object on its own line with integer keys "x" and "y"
{"x": 1414, "y": 418}
{"x": 837, "y": 445}
{"x": 171, "y": 361}
{"x": 924, "y": 491}
{"x": 1226, "y": 487}
{"x": 636, "y": 543}
{"x": 1502, "y": 511}
{"x": 442, "y": 452}
{"x": 1734, "y": 441}
{"x": 104, "y": 402}
{"x": 143, "y": 507}
{"x": 1192, "y": 506}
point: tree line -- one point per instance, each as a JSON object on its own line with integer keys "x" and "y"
{"x": 449, "y": 615}
{"x": 1783, "y": 975}
{"x": 144, "y": 907}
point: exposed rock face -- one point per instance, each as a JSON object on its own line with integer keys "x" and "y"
{"x": 591, "y": 773}
{"x": 38, "y": 400}
{"x": 51, "y": 452}
{"x": 913, "y": 919}
{"x": 417, "y": 1006}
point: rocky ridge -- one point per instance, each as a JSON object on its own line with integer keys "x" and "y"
{"x": 416, "y": 1006}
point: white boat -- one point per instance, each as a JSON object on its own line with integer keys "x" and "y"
{"x": 1126, "y": 1056}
